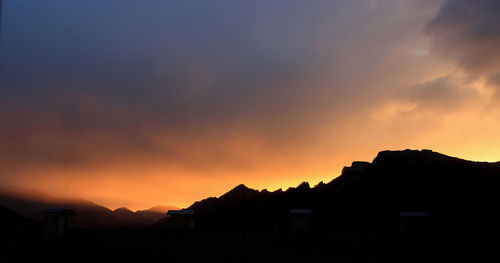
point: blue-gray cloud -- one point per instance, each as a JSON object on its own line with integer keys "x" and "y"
{"x": 469, "y": 33}
{"x": 443, "y": 94}
{"x": 78, "y": 75}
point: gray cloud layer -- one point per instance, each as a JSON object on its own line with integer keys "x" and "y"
{"x": 443, "y": 94}
{"x": 88, "y": 82}
{"x": 468, "y": 32}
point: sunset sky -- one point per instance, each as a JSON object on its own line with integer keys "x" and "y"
{"x": 142, "y": 103}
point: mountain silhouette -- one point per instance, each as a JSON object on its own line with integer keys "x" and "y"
{"x": 155, "y": 213}
{"x": 148, "y": 216}
{"x": 457, "y": 192}
{"x": 364, "y": 214}
{"x": 89, "y": 214}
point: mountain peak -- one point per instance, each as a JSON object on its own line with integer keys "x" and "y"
{"x": 240, "y": 187}
{"x": 304, "y": 185}
{"x": 160, "y": 209}
{"x": 240, "y": 191}
{"x": 320, "y": 185}
{"x": 410, "y": 156}
{"x": 122, "y": 209}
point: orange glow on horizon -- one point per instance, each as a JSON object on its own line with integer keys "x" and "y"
{"x": 129, "y": 187}
{"x": 173, "y": 109}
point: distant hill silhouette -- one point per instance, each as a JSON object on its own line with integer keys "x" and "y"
{"x": 148, "y": 216}
{"x": 89, "y": 214}
{"x": 458, "y": 193}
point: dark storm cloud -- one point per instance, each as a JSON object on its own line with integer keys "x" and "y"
{"x": 189, "y": 57}
{"x": 86, "y": 82}
{"x": 495, "y": 79}
{"x": 442, "y": 94}
{"x": 468, "y": 32}
{"x": 494, "y": 82}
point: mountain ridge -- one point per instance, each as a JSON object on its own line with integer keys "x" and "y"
{"x": 371, "y": 192}
{"x": 89, "y": 214}
{"x": 368, "y": 193}
{"x": 382, "y": 156}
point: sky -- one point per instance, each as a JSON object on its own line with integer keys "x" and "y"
{"x": 143, "y": 103}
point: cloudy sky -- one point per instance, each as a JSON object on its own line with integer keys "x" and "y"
{"x": 139, "y": 103}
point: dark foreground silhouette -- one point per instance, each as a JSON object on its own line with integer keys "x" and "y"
{"x": 405, "y": 206}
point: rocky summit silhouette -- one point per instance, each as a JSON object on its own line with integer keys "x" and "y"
{"x": 454, "y": 193}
